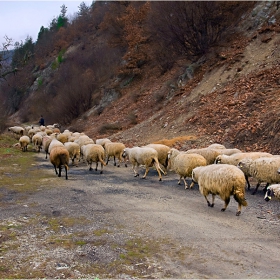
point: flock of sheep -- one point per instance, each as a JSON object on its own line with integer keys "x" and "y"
{"x": 216, "y": 169}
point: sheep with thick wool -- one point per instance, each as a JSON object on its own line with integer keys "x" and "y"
{"x": 102, "y": 141}
{"x": 183, "y": 164}
{"x": 54, "y": 143}
{"x": 33, "y": 131}
{"x": 17, "y": 131}
{"x": 74, "y": 151}
{"x": 37, "y": 141}
{"x": 224, "y": 180}
{"x": 59, "y": 156}
{"x": 208, "y": 153}
{"x": 83, "y": 140}
{"x": 46, "y": 140}
{"x": 216, "y": 146}
{"x": 263, "y": 169}
{"x": 272, "y": 190}
{"x": 114, "y": 149}
{"x": 94, "y": 153}
{"x": 62, "y": 137}
{"x": 234, "y": 159}
{"x": 143, "y": 156}
{"x": 163, "y": 151}
{"x": 24, "y": 141}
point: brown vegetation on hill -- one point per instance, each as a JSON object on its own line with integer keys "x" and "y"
{"x": 191, "y": 73}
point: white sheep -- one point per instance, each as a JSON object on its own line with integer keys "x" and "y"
{"x": 143, "y": 156}
{"x": 46, "y": 140}
{"x": 83, "y": 140}
{"x": 102, "y": 141}
{"x": 272, "y": 190}
{"x": 163, "y": 151}
{"x": 263, "y": 169}
{"x": 74, "y": 150}
{"x": 59, "y": 156}
{"x": 37, "y": 141}
{"x": 114, "y": 149}
{"x": 17, "y": 131}
{"x": 208, "y": 153}
{"x": 94, "y": 153}
{"x": 216, "y": 146}
{"x": 24, "y": 141}
{"x": 223, "y": 180}
{"x": 33, "y": 131}
{"x": 234, "y": 159}
{"x": 183, "y": 164}
{"x": 54, "y": 143}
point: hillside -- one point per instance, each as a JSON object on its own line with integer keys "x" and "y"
{"x": 229, "y": 95}
{"x": 233, "y": 99}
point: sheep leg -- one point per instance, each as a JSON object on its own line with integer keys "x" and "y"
{"x": 265, "y": 188}
{"x": 101, "y": 171}
{"x": 255, "y": 190}
{"x": 96, "y": 166}
{"x": 227, "y": 200}
{"x": 247, "y": 180}
{"x": 55, "y": 170}
{"x": 66, "y": 169}
{"x": 186, "y": 184}
{"x": 158, "y": 170}
{"x": 146, "y": 172}
{"x": 107, "y": 159}
{"x": 179, "y": 181}
{"x": 238, "y": 210}
{"x": 59, "y": 171}
{"x": 135, "y": 170}
{"x": 115, "y": 161}
{"x": 208, "y": 202}
{"x": 90, "y": 163}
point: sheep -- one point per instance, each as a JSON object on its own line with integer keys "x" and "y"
{"x": 59, "y": 156}
{"x": 54, "y": 143}
{"x": 114, "y": 149}
{"x": 223, "y": 180}
{"x": 17, "y": 131}
{"x": 235, "y": 159}
{"x": 94, "y": 153}
{"x": 216, "y": 146}
{"x": 229, "y": 151}
{"x": 163, "y": 151}
{"x": 143, "y": 156}
{"x": 74, "y": 150}
{"x": 183, "y": 164}
{"x": 272, "y": 190}
{"x": 83, "y": 140}
{"x": 209, "y": 154}
{"x": 24, "y": 141}
{"x": 63, "y": 138}
{"x": 46, "y": 140}
{"x": 262, "y": 169}
{"x": 37, "y": 140}
{"x": 102, "y": 141}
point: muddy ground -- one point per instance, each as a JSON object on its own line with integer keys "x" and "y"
{"x": 114, "y": 225}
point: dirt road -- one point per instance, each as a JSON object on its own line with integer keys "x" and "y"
{"x": 114, "y": 225}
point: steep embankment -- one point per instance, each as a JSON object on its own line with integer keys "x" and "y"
{"x": 231, "y": 98}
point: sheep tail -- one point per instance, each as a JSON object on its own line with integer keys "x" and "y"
{"x": 239, "y": 197}
{"x": 102, "y": 161}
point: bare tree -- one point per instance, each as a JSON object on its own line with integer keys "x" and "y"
{"x": 5, "y": 59}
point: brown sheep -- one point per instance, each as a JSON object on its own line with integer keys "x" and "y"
{"x": 59, "y": 156}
